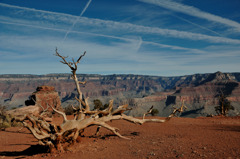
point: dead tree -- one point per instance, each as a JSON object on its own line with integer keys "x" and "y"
{"x": 57, "y": 137}
{"x": 179, "y": 110}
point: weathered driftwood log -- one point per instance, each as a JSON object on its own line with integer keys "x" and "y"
{"x": 55, "y": 137}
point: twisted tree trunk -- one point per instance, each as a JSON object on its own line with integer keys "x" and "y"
{"x": 54, "y": 137}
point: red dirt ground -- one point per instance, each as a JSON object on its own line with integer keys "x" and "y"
{"x": 217, "y": 137}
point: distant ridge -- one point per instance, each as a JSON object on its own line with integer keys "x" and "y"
{"x": 139, "y": 91}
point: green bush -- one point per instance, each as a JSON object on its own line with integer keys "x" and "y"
{"x": 5, "y": 125}
{"x": 3, "y": 110}
{"x": 69, "y": 110}
{"x": 224, "y": 105}
{"x": 6, "y": 119}
{"x": 98, "y": 105}
{"x": 154, "y": 112}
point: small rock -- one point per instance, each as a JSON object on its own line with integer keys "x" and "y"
{"x": 194, "y": 151}
{"x": 152, "y": 154}
{"x": 135, "y": 133}
{"x": 179, "y": 155}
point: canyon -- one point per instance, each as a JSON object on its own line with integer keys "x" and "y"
{"x": 200, "y": 92}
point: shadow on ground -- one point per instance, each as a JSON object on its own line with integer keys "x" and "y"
{"x": 191, "y": 112}
{"x": 32, "y": 150}
{"x": 229, "y": 128}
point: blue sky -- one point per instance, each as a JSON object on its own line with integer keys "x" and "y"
{"x": 150, "y": 37}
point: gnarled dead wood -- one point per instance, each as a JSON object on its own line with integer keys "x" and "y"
{"x": 56, "y": 136}
{"x": 179, "y": 110}
{"x": 74, "y": 75}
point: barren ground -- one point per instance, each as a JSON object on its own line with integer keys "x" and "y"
{"x": 216, "y": 137}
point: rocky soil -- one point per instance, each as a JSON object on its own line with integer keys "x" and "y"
{"x": 203, "y": 137}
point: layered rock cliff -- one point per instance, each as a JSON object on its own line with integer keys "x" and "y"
{"x": 200, "y": 94}
{"x": 15, "y": 89}
{"x": 199, "y": 91}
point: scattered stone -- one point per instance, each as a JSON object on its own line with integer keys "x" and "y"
{"x": 152, "y": 154}
{"x": 135, "y": 133}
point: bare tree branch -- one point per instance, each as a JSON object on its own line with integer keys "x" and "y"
{"x": 148, "y": 112}
{"x": 81, "y": 56}
{"x": 57, "y": 136}
{"x": 179, "y": 110}
{"x": 61, "y": 113}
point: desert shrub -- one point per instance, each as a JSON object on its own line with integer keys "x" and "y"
{"x": 224, "y": 105}
{"x": 3, "y": 110}
{"x": 98, "y": 105}
{"x": 2, "y": 113}
{"x": 105, "y": 106}
{"x": 5, "y": 125}
{"x": 6, "y": 119}
{"x": 69, "y": 110}
{"x": 154, "y": 112}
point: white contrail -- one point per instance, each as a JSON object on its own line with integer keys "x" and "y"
{"x": 192, "y": 11}
{"x": 85, "y": 8}
{"x": 140, "y": 41}
{"x": 202, "y": 27}
{"x": 131, "y": 27}
{"x": 33, "y": 26}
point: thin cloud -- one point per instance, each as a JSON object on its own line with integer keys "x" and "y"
{"x": 202, "y": 27}
{"x": 32, "y": 9}
{"x": 138, "y": 41}
{"x": 102, "y": 58}
{"x": 160, "y": 31}
{"x": 192, "y": 11}
{"x": 83, "y": 11}
{"x": 128, "y": 27}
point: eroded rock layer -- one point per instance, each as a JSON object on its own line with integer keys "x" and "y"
{"x": 199, "y": 91}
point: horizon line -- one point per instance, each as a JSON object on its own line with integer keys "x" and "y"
{"x": 111, "y": 74}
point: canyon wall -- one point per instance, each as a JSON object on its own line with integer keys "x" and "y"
{"x": 199, "y": 91}
{"x": 200, "y": 95}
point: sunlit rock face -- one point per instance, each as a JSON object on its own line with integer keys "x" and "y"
{"x": 40, "y": 101}
{"x": 199, "y": 91}
{"x": 45, "y": 97}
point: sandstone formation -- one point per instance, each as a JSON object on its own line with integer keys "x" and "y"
{"x": 45, "y": 97}
{"x": 40, "y": 102}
